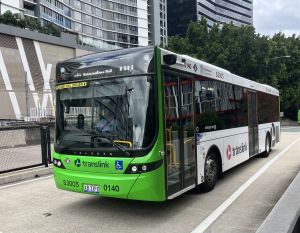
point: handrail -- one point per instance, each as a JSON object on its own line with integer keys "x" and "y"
{"x": 124, "y": 142}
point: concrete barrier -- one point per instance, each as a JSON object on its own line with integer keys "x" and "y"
{"x": 23, "y": 175}
{"x": 285, "y": 215}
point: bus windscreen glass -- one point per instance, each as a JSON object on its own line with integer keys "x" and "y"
{"x": 99, "y": 114}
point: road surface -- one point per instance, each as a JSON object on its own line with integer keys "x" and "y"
{"x": 37, "y": 206}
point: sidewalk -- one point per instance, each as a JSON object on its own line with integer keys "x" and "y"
{"x": 285, "y": 216}
{"x": 25, "y": 174}
{"x": 288, "y": 122}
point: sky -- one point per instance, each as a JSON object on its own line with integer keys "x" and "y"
{"x": 272, "y": 16}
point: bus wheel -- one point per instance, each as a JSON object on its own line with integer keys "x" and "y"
{"x": 267, "y": 151}
{"x": 211, "y": 172}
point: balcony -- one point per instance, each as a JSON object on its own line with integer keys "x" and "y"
{"x": 29, "y": 2}
{"x": 52, "y": 7}
{"x": 29, "y": 13}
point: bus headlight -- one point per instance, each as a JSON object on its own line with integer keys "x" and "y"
{"x": 142, "y": 168}
{"x": 134, "y": 169}
{"x": 58, "y": 163}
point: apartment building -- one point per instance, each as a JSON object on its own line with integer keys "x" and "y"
{"x": 182, "y": 12}
{"x": 105, "y": 24}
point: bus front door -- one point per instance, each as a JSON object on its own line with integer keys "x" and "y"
{"x": 179, "y": 134}
{"x": 253, "y": 123}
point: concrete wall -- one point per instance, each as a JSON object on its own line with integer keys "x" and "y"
{"x": 33, "y": 55}
{"x": 22, "y": 137}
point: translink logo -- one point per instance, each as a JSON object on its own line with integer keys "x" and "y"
{"x": 77, "y": 163}
{"x": 99, "y": 164}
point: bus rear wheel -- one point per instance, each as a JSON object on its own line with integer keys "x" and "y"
{"x": 211, "y": 172}
{"x": 267, "y": 151}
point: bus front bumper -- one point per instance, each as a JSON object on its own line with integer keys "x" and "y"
{"x": 146, "y": 186}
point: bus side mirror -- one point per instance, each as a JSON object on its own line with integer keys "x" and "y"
{"x": 170, "y": 59}
{"x": 80, "y": 121}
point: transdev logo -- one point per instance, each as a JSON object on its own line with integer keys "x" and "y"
{"x": 237, "y": 150}
{"x": 228, "y": 152}
{"x": 77, "y": 163}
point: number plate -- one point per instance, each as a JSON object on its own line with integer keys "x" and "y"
{"x": 88, "y": 188}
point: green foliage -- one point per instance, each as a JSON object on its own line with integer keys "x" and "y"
{"x": 28, "y": 23}
{"x": 8, "y": 18}
{"x": 33, "y": 24}
{"x": 244, "y": 52}
{"x": 52, "y": 29}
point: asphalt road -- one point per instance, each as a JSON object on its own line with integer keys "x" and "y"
{"x": 38, "y": 206}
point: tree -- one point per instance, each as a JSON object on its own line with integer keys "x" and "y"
{"x": 244, "y": 52}
{"x": 52, "y": 29}
{"x": 8, "y": 18}
{"x": 28, "y": 23}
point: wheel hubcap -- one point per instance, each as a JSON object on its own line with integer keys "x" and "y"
{"x": 268, "y": 145}
{"x": 210, "y": 170}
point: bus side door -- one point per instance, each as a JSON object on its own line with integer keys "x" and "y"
{"x": 179, "y": 133}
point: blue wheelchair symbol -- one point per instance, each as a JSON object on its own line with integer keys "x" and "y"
{"x": 119, "y": 165}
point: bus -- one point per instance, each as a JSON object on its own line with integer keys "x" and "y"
{"x": 175, "y": 123}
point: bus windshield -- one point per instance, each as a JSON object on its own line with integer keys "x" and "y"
{"x": 103, "y": 113}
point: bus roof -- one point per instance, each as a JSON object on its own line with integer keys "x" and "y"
{"x": 194, "y": 66}
{"x": 124, "y": 62}
{"x": 106, "y": 54}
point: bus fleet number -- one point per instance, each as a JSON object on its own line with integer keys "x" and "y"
{"x": 219, "y": 75}
{"x": 114, "y": 188}
{"x": 71, "y": 183}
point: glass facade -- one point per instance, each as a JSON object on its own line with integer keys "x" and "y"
{"x": 99, "y": 23}
{"x": 157, "y": 22}
{"x": 181, "y": 12}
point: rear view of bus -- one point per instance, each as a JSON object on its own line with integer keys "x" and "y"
{"x": 106, "y": 126}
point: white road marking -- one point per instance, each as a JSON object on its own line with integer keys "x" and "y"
{"x": 217, "y": 212}
{"x": 24, "y": 182}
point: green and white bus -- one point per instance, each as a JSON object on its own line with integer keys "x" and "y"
{"x": 175, "y": 123}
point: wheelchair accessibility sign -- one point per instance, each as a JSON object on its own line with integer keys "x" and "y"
{"x": 119, "y": 165}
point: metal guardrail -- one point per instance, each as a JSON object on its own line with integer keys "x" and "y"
{"x": 24, "y": 146}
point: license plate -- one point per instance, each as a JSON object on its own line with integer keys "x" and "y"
{"x": 88, "y": 188}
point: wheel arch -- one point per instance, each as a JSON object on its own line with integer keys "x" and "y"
{"x": 216, "y": 150}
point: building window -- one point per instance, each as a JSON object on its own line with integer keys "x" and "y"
{"x": 77, "y": 27}
{"x": 77, "y": 15}
{"x": 88, "y": 8}
{"x": 87, "y": 30}
{"x": 97, "y": 22}
{"x": 88, "y": 19}
{"x": 108, "y": 15}
{"x": 77, "y": 4}
{"x": 99, "y": 33}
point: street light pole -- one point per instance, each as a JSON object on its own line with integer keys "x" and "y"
{"x": 26, "y": 95}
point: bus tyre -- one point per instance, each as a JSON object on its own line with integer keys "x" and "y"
{"x": 267, "y": 151}
{"x": 211, "y": 172}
